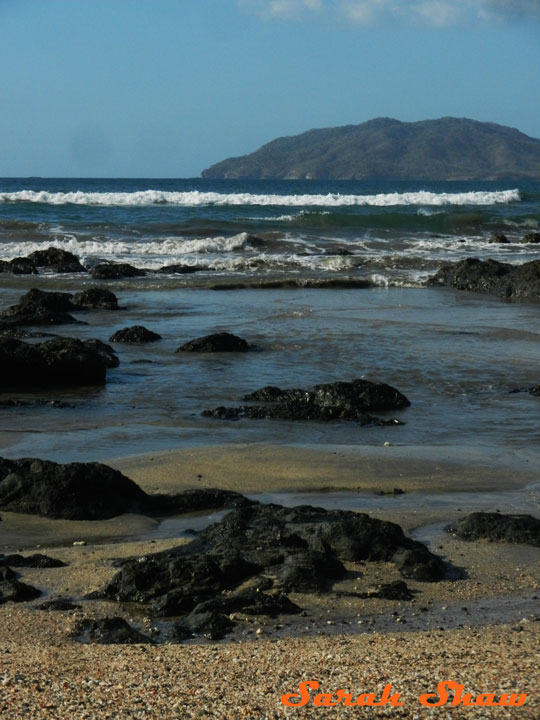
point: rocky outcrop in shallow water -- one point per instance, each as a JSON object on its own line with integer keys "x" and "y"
{"x": 134, "y": 334}
{"x": 115, "y": 271}
{"x": 217, "y": 342}
{"x": 93, "y": 491}
{"x": 54, "y": 259}
{"x": 523, "y": 529}
{"x": 59, "y": 361}
{"x": 246, "y": 563}
{"x": 490, "y": 276}
{"x": 39, "y": 307}
{"x": 326, "y": 402}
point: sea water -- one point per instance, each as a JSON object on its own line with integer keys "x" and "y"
{"x": 326, "y": 280}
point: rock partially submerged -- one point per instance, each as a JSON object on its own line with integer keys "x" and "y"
{"x": 217, "y": 342}
{"x": 330, "y": 401}
{"x": 59, "y": 361}
{"x": 524, "y": 529}
{"x": 39, "y": 307}
{"x": 54, "y": 259}
{"x": 134, "y": 334}
{"x": 93, "y": 491}
{"x": 114, "y": 271}
{"x": 271, "y": 548}
{"x": 490, "y": 276}
{"x": 95, "y": 298}
{"x": 178, "y": 269}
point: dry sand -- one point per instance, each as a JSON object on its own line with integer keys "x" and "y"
{"x": 342, "y": 641}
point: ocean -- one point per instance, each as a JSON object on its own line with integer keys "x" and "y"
{"x": 325, "y": 279}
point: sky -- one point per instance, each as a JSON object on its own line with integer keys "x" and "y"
{"x": 165, "y": 88}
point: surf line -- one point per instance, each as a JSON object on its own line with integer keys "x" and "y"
{"x": 435, "y": 699}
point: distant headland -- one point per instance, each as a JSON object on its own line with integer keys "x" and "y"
{"x": 383, "y": 148}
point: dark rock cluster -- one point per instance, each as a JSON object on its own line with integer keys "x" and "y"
{"x": 93, "y": 491}
{"x": 217, "y": 342}
{"x": 329, "y": 401}
{"x": 59, "y": 361}
{"x": 249, "y": 561}
{"x": 491, "y": 276}
{"x": 496, "y": 527}
{"x": 134, "y": 334}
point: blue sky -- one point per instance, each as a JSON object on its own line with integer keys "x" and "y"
{"x": 164, "y": 88}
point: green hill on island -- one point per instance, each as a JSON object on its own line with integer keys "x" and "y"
{"x": 445, "y": 149}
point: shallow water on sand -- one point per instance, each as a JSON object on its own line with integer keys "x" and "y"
{"x": 457, "y": 357}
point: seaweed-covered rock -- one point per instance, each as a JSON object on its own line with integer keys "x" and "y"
{"x": 114, "y": 271}
{"x": 59, "y": 361}
{"x": 96, "y": 298}
{"x": 218, "y": 342}
{"x": 496, "y": 527}
{"x": 499, "y": 238}
{"x": 491, "y": 276}
{"x": 134, "y": 334}
{"x": 110, "y": 631}
{"x": 11, "y": 590}
{"x": 329, "y": 401}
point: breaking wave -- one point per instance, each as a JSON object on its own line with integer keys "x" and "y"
{"x": 197, "y": 198}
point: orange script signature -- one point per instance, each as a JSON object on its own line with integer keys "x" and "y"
{"x": 448, "y": 693}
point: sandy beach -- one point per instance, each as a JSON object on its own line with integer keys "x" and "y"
{"x": 481, "y": 630}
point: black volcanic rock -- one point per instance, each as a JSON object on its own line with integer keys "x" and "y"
{"x": 38, "y": 307}
{"x": 76, "y": 491}
{"x": 58, "y": 260}
{"x": 276, "y": 549}
{"x": 134, "y": 334}
{"x": 18, "y": 266}
{"x": 32, "y": 561}
{"x": 58, "y": 604}
{"x": 59, "y": 361}
{"x": 533, "y": 238}
{"x": 92, "y": 491}
{"x": 96, "y": 298}
{"x": 114, "y": 271}
{"x": 178, "y": 269}
{"x": 12, "y": 590}
{"x": 218, "y": 342}
{"x": 524, "y": 529}
{"x": 110, "y": 631}
{"x": 443, "y": 149}
{"x": 326, "y": 402}
{"x": 490, "y": 276}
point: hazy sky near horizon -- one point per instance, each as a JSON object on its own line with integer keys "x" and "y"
{"x": 165, "y": 88}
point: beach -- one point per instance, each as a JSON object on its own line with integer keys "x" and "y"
{"x": 326, "y": 289}
{"x": 481, "y": 631}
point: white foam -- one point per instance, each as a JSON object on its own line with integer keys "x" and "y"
{"x": 196, "y": 198}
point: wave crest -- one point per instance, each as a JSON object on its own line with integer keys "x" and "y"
{"x": 196, "y": 198}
